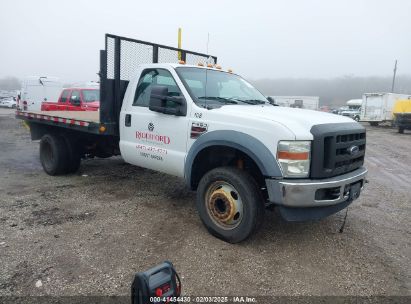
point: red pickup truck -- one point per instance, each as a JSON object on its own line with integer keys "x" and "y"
{"x": 75, "y": 99}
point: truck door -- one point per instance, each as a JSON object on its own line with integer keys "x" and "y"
{"x": 62, "y": 104}
{"x": 75, "y": 101}
{"x": 150, "y": 139}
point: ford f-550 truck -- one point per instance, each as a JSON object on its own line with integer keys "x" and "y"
{"x": 214, "y": 129}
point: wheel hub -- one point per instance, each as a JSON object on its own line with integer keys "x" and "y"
{"x": 225, "y": 205}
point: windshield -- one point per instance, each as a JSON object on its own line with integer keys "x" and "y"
{"x": 91, "y": 95}
{"x": 213, "y": 88}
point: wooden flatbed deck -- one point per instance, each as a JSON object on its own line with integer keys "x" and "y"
{"x": 84, "y": 121}
{"x": 90, "y": 116}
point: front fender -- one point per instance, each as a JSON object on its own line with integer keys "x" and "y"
{"x": 249, "y": 145}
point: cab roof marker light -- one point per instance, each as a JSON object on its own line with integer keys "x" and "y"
{"x": 210, "y": 65}
{"x": 200, "y": 64}
{"x": 218, "y": 67}
{"x": 229, "y": 70}
{"x": 181, "y": 62}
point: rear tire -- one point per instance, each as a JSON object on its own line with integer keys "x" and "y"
{"x": 357, "y": 118}
{"x": 374, "y": 123}
{"x": 230, "y": 204}
{"x": 53, "y": 154}
{"x": 401, "y": 130}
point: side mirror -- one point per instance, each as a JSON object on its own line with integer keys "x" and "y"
{"x": 271, "y": 100}
{"x": 162, "y": 103}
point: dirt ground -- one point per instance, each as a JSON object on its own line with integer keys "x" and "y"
{"x": 90, "y": 232}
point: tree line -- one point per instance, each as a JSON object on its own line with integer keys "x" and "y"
{"x": 333, "y": 91}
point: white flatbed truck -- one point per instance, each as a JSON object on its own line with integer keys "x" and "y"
{"x": 214, "y": 129}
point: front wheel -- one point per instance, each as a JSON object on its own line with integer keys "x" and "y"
{"x": 401, "y": 130}
{"x": 230, "y": 204}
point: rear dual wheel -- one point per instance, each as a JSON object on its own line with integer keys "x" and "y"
{"x": 230, "y": 204}
{"x": 58, "y": 155}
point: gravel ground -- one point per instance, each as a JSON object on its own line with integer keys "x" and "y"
{"x": 88, "y": 233}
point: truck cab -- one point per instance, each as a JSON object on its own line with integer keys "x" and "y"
{"x": 75, "y": 99}
{"x": 212, "y": 127}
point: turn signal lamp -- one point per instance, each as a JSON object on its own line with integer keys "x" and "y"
{"x": 102, "y": 128}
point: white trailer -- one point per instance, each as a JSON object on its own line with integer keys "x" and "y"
{"x": 303, "y": 102}
{"x": 377, "y": 107}
{"x": 37, "y": 89}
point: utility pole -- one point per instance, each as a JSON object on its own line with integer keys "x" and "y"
{"x": 393, "y": 77}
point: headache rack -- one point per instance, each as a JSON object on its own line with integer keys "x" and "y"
{"x": 118, "y": 63}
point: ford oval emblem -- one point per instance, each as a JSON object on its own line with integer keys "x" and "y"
{"x": 353, "y": 150}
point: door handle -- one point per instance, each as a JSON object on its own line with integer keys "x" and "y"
{"x": 127, "y": 121}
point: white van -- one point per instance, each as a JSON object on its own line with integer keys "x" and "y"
{"x": 37, "y": 89}
{"x": 353, "y": 109}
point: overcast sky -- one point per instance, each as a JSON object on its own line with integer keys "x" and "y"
{"x": 258, "y": 39}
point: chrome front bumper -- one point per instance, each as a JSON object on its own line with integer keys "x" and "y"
{"x": 313, "y": 193}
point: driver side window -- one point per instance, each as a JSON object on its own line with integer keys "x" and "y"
{"x": 152, "y": 77}
{"x": 75, "y": 97}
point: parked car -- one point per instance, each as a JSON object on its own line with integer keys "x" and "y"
{"x": 216, "y": 131}
{"x": 9, "y": 102}
{"x": 75, "y": 99}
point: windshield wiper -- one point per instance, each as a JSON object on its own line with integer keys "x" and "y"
{"x": 220, "y": 99}
{"x": 252, "y": 101}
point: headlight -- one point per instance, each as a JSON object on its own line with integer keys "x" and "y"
{"x": 294, "y": 158}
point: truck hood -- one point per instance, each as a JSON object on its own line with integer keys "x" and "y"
{"x": 298, "y": 121}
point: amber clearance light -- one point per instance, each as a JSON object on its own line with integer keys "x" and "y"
{"x": 293, "y": 155}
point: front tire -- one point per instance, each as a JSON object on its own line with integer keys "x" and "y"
{"x": 401, "y": 130}
{"x": 230, "y": 204}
